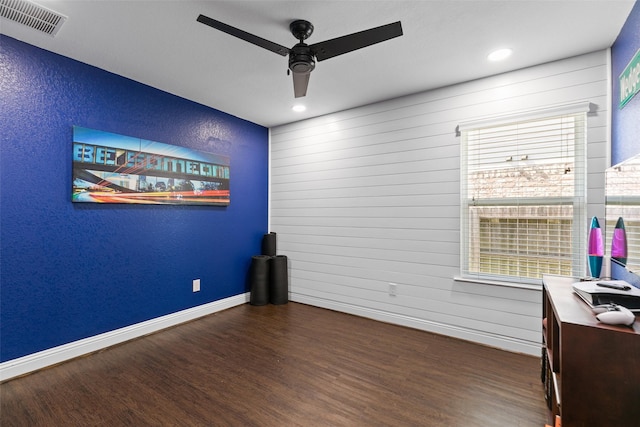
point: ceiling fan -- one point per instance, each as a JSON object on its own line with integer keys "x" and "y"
{"x": 303, "y": 57}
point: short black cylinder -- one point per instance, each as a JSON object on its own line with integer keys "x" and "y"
{"x": 279, "y": 280}
{"x": 259, "y": 279}
{"x": 269, "y": 244}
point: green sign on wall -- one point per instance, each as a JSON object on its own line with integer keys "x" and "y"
{"x": 630, "y": 80}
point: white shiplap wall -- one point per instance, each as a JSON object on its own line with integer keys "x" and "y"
{"x": 370, "y": 196}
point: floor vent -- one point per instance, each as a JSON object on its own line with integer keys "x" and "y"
{"x": 32, "y": 15}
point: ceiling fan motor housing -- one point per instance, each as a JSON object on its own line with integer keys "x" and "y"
{"x": 301, "y": 59}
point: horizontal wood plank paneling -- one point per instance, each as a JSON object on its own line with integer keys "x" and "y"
{"x": 371, "y": 196}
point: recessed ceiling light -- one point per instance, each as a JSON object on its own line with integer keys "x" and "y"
{"x": 298, "y": 108}
{"x": 499, "y": 55}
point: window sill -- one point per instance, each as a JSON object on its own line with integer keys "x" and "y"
{"x": 529, "y": 286}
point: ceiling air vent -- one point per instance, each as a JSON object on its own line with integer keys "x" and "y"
{"x": 32, "y": 15}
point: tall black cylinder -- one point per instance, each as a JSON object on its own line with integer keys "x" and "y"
{"x": 259, "y": 279}
{"x": 279, "y": 280}
{"x": 269, "y": 244}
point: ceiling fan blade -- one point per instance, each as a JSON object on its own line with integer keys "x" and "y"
{"x": 300, "y": 83}
{"x": 258, "y": 41}
{"x": 334, "y": 47}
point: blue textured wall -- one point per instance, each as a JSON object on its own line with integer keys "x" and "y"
{"x": 625, "y": 123}
{"x": 70, "y": 271}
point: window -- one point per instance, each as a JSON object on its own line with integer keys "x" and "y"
{"x": 523, "y": 196}
{"x": 623, "y": 201}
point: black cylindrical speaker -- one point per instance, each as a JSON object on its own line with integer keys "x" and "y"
{"x": 279, "y": 280}
{"x": 269, "y": 244}
{"x": 259, "y": 279}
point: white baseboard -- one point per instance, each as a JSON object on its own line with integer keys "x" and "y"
{"x": 501, "y": 342}
{"x": 42, "y": 359}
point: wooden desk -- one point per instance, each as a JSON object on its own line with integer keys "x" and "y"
{"x": 591, "y": 371}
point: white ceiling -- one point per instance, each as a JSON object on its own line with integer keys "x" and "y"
{"x": 159, "y": 43}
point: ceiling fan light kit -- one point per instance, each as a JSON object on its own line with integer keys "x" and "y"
{"x": 303, "y": 57}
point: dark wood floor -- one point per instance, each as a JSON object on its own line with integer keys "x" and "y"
{"x": 286, "y": 365}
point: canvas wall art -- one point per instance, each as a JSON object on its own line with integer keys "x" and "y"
{"x": 112, "y": 168}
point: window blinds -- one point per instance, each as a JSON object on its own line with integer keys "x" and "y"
{"x": 523, "y": 197}
{"x": 623, "y": 201}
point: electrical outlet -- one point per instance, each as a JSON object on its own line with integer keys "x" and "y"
{"x": 393, "y": 289}
{"x": 196, "y": 285}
